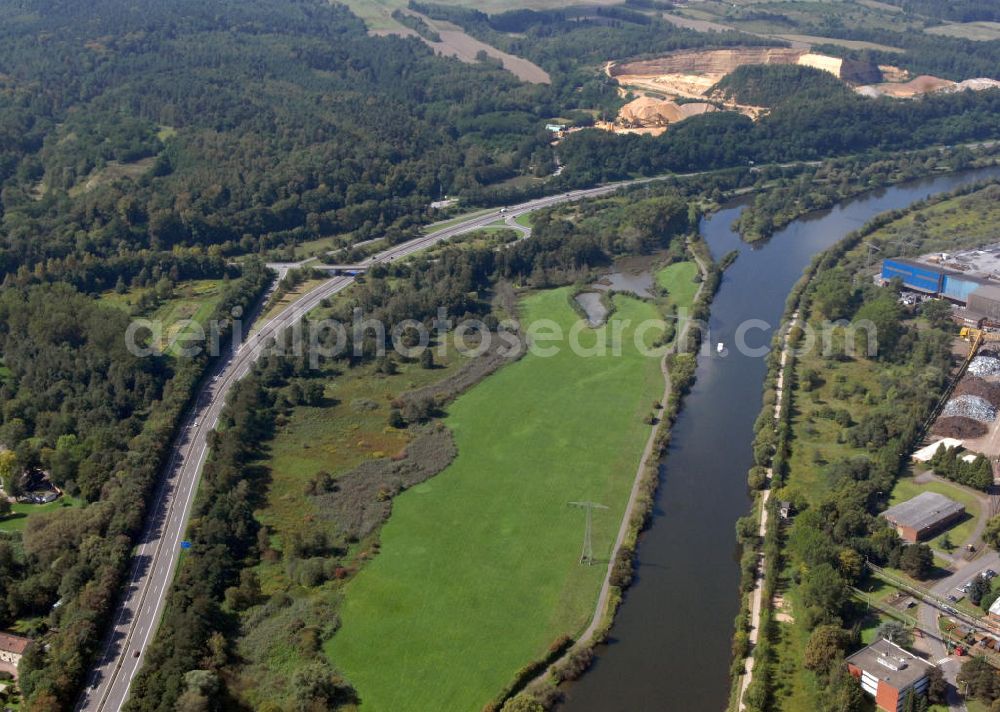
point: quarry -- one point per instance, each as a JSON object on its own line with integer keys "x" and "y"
{"x": 676, "y": 86}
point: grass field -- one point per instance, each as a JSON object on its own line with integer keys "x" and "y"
{"x": 816, "y": 439}
{"x": 20, "y": 513}
{"x": 479, "y": 568}
{"x": 441, "y": 225}
{"x": 335, "y": 437}
{"x": 679, "y": 281}
{"x": 114, "y": 170}
{"x": 314, "y": 247}
{"x": 963, "y": 221}
{"x": 350, "y": 427}
{"x": 195, "y": 300}
{"x": 979, "y": 31}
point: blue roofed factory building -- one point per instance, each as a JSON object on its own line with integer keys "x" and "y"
{"x": 924, "y": 278}
{"x": 969, "y": 279}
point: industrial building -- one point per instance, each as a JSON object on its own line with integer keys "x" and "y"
{"x": 889, "y": 673}
{"x": 924, "y": 515}
{"x": 969, "y": 278}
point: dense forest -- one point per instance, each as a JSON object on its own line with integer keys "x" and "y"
{"x": 772, "y": 85}
{"x": 250, "y": 126}
{"x": 99, "y": 421}
{"x": 238, "y": 125}
{"x": 153, "y": 142}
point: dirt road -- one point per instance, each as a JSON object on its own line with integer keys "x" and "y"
{"x": 756, "y": 599}
{"x": 586, "y": 638}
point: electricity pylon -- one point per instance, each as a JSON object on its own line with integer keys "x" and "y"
{"x": 587, "y": 557}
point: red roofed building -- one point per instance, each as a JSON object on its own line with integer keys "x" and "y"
{"x": 12, "y": 647}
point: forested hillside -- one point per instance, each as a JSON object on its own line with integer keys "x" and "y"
{"x": 148, "y": 144}
{"x": 99, "y": 421}
{"x": 795, "y": 130}
{"x": 259, "y": 123}
{"x": 770, "y": 85}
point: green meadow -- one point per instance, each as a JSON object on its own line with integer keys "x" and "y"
{"x": 678, "y": 279}
{"x": 192, "y": 301}
{"x": 20, "y": 512}
{"x": 479, "y": 569}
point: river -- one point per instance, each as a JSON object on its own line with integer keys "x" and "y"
{"x": 670, "y": 644}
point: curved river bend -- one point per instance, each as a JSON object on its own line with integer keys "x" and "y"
{"x": 670, "y": 644}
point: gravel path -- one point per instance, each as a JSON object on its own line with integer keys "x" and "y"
{"x": 756, "y": 602}
{"x": 586, "y": 638}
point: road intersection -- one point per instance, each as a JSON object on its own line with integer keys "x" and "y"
{"x": 158, "y": 549}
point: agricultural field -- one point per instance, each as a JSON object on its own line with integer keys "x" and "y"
{"x": 978, "y": 31}
{"x": 479, "y": 570}
{"x": 449, "y": 39}
{"x": 377, "y": 14}
{"x": 455, "y": 42}
{"x": 770, "y": 18}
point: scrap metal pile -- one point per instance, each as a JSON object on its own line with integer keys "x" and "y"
{"x": 973, "y": 386}
{"x": 985, "y": 366}
{"x": 969, "y": 406}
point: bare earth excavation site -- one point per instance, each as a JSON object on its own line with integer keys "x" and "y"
{"x": 510, "y": 356}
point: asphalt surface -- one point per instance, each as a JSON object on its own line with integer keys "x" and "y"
{"x": 158, "y": 550}
{"x": 929, "y": 613}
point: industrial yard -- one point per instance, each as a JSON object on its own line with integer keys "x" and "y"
{"x": 968, "y": 279}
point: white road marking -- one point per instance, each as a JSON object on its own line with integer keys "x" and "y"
{"x": 182, "y": 471}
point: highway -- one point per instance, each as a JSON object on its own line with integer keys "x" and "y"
{"x": 158, "y": 549}
{"x": 159, "y": 546}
